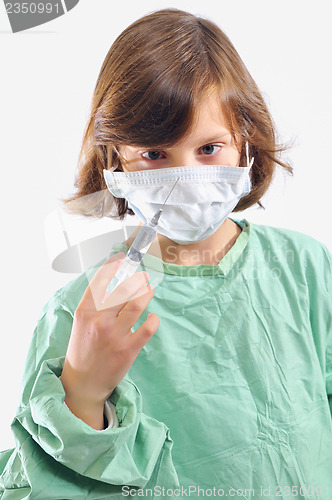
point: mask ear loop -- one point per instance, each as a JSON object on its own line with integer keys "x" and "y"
{"x": 249, "y": 163}
{"x": 109, "y": 158}
{"x": 111, "y": 169}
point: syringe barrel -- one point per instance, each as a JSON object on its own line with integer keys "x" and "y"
{"x": 135, "y": 255}
{"x": 142, "y": 243}
{"x": 126, "y": 270}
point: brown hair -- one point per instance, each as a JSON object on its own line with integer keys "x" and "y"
{"x": 149, "y": 85}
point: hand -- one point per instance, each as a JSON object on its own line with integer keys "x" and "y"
{"x": 102, "y": 346}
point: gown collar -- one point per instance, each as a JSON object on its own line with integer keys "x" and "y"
{"x": 222, "y": 268}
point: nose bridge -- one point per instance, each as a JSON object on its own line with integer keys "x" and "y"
{"x": 183, "y": 158}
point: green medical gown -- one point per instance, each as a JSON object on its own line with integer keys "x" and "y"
{"x": 234, "y": 391}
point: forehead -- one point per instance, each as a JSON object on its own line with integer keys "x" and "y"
{"x": 208, "y": 125}
{"x": 208, "y": 122}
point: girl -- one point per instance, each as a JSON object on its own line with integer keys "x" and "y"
{"x": 226, "y": 332}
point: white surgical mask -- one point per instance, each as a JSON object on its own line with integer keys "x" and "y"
{"x": 202, "y": 199}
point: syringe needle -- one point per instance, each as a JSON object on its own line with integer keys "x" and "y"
{"x": 138, "y": 249}
{"x": 169, "y": 194}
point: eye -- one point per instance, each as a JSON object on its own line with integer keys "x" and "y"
{"x": 210, "y": 149}
{"x": 153, "y": 155}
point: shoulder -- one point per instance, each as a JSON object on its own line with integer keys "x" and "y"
{"x": 296, "y": 247}
{"x": 285, "y": 235}
{"x": 280, "y": 236}
{"x": 68, "y": 297}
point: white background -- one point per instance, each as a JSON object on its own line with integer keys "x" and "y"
{"x": 47, "y": 79}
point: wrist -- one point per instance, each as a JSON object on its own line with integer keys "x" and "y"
{"x": 90, "y": 413}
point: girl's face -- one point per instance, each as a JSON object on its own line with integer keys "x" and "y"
{"x": 209, "y": 142}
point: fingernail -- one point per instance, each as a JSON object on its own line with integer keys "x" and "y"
{"x": 119, "y": 254}
{"x": 107, "y": 294}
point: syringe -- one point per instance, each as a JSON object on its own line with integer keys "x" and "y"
{"x": 138, "y": 249}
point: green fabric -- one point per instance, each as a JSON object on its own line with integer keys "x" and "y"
{"x": 233, "y": 391}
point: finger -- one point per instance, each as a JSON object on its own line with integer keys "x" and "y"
{"x": 125, "y": 291}
{"x": 145, "y": 332}
{"x": 133, "y": 310}
{"x": 101, "y": 278}
{"x": 106, "y": 272}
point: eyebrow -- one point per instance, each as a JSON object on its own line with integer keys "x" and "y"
{"x": 215, "y": 138}
{"x": 201, "y": 141}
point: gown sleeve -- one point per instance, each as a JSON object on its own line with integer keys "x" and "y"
{"x": 329, "y": 351}
{"x": 54, "y": 447}
{"x": 329, "y": 373}
{"x": 319, "y": 271}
